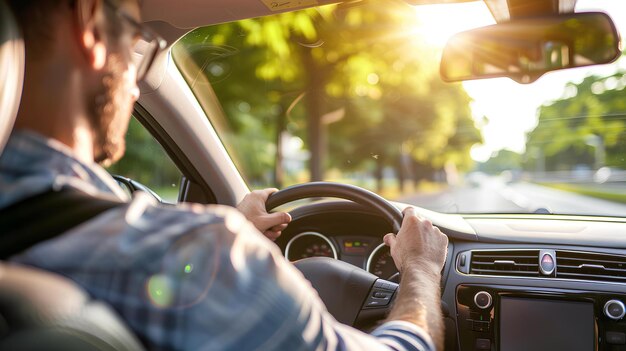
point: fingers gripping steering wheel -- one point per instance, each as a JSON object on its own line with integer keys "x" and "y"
{"x": 352, "y": 295}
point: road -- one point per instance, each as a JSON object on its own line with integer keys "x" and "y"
{"x": 494, "y": 195}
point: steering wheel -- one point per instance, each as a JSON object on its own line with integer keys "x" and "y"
{"x": 352, "y": 295}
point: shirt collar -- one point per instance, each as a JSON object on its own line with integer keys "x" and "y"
{"x": 28, "y": 154}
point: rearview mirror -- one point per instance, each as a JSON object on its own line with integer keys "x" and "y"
{"x": 525, "y": 49}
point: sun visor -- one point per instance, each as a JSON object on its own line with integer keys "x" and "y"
{"x": 196, "y": 13}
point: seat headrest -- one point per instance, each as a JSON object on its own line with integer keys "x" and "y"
{"x": 11, "y": 70}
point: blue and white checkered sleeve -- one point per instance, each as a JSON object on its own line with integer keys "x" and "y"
{"x": 401, "y": 335}
{"x": 281, "y": 311}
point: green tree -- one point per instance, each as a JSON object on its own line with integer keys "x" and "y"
{"x": 291, "y": 71}
{"x": 502, "y": 160}
{"x": 570, "y": 129}
{"x": 146, "y": 162}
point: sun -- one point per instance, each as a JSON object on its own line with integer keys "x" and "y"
{"x": 437, "y": 23}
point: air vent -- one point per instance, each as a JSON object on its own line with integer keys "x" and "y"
{"x": 590, "y": 266}
{"x": 522, "y": 263}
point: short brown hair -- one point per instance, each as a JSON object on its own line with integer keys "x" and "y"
{"x": 35, "y": 21}
{"x": 33, "y": 17}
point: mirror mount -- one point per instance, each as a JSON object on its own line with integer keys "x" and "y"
{"x": 505, "y": 10}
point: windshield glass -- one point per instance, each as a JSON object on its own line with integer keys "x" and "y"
{"x": 352, "y": 93}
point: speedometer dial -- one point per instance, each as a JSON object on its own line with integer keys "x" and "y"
{"x": 309, "y": 244}
{"x": 380, "y": 262}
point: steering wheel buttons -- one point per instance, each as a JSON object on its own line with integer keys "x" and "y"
{"x": 381, "y": 294}
{"x": 373, "y": 302}
{"x": 382, "y": 284}
{"x": 376, "y": 303}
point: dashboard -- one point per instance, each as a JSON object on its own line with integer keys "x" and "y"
{"x": 351, "y": 234}
{"x": 511, "y": 282}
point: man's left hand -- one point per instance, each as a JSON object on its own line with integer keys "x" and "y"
{"x": 253, "y": 207}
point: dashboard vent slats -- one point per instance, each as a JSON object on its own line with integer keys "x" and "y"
{"x": 590, "y": 266}
{"x": 517, "y": 263}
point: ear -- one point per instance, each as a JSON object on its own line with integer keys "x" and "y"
{"x": 90, "y": 32}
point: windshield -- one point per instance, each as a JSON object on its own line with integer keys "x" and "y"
{"x": 352, "y": 93}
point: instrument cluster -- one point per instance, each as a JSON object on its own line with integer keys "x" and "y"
{"x": 365, "y": 252}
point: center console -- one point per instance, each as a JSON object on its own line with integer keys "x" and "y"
{"x": 509, "y": 318}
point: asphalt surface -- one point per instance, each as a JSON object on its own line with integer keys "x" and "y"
{"x": 494, "y": 195}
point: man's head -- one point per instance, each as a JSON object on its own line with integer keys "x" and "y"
{"x": 92, "y": 46}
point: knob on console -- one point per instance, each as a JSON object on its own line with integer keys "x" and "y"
{"x": 483, "y": 300}
{"x": 614, "y": 309}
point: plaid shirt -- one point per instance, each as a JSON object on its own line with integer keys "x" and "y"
{"x": 189, "y": 277}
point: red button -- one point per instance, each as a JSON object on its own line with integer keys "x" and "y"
{"x": 547, "y": 263}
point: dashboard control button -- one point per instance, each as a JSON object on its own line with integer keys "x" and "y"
{"x": 614, "y": 309}
{"x": 546, "y": 263}
{"x": 483, "y": 300}
{"x": 480, "y": 326}
{"x": 615, "y": 338}
{"x": 463, "y": 260}
{"x": 483, "y": 344}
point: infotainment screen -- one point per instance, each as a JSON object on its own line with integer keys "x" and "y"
{"x": 545, "y": 325}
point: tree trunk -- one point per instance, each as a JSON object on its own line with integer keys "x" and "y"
{"x": 317, "y": 139}
{"x": 316, "y": 131}
{"x": 378, "y": 173}
{"x": 279, "y": 173}
{"x": 421, "y": 172}
{"x": 401, "y": 168}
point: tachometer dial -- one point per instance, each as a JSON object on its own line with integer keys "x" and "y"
{"x": 380, "y": 262}
{"x": 309, "y": 244}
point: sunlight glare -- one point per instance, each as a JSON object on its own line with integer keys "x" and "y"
{"x": 437, "y": 23}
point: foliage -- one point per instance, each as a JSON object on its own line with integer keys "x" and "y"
{"x": 349, "y": 77}
{"x": 146, "y": 162}
{"x": 502, "y": 160}
{"x": 593, "y": 114}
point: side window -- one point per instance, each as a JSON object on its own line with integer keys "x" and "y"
{"x": 146, "y": 162}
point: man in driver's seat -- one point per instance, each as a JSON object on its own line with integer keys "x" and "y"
{"x": 185, "y": 277}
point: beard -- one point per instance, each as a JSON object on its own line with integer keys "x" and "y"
{"x": 110, "y": 112}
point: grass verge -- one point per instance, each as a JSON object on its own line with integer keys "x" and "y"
{"x": 588, "y": 191}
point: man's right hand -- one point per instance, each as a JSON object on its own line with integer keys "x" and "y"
{"x": 418, "y": 243}
{"x": 419, "y": 252}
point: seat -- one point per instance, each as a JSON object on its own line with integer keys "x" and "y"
{"x": 11, "y": 71}
{"x": 39, "y": 310}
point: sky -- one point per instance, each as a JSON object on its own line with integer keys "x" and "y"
{"x": 511, "y": 108}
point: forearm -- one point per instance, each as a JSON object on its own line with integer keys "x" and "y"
{"x": 419, "y": 300}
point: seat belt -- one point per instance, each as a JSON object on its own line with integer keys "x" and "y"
{"x": 47, "y": 215}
